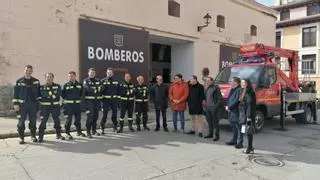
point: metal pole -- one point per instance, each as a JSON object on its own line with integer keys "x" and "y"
{"x": 282, "y": 111}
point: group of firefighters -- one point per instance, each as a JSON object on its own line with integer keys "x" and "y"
{"x": 108, "y": 92}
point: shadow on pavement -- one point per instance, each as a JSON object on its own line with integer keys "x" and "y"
{"x": 299, "y": 144}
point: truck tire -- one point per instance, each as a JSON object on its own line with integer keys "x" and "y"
{"x": 306, "y": 117}
{"x": 259, "y": 121}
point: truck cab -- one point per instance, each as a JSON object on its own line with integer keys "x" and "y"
{"x": 256, "y": 63}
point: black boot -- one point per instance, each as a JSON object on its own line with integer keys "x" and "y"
{"x": 115, "y": 129}
{"x": 21, "y": 141}
{"x": 21, "y": 136}
{"x": 138, "y": 127}
{"x": 68, "y": 136}
{"x": 121, "y": 127}
{"x": 89, "y": 134}
{"x": 58, "y": 135}
{"x": 95, "y": 133}
{"x": 102, "y": 130}
{"x": 146, "y": 128}
{"x": 79, "y": 132}
{"x": 33, "y": 136}
{"x": 130, "y": 127}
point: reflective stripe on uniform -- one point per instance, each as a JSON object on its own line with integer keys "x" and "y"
{"x": 18, "y": 101}
{"x": 129, "y": 119}
{"x": 121, "y": 119}
{"x": 142, "y": 100}
{"x": 89, "y": 97}
{"x": 49, "y": 103}
{"x": 109, "y": 97}
{"x": 71, "y": 101}
{"x": 126, "y": 98}
{"x": 87, "y": 112}
{"x": 78, "y": 86}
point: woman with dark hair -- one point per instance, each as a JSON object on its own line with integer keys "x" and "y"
{"x": 247, "y": 112}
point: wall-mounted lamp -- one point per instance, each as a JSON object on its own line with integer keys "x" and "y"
{"x": 207, "y": 20}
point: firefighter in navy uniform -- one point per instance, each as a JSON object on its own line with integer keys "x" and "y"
{"x": 50, "y": 104}
{"x": 126, "y": 92}
{"x": 25, "y": 102}
{"x": 71, "y": 94}
{"x": 141, "y": 106}
{"x": 110, "y": 92}
{"x": 92, "y": 96}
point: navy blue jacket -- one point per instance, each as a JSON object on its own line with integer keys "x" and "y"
{"x": 21, "y": 88}
{"x": 110, "y": 88}
{"x": 50, "y": 94}
{"x": 92, "y": 88}
{"x": 72, "y": 92}
{"x": 233, "y": 102}
{"x": 142, "y": 93}
{"x": 126, "y": 91}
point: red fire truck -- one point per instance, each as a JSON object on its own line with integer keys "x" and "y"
{"x": 277, "y": 93}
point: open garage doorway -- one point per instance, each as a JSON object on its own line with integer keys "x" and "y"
{"x": 170, "y": 56}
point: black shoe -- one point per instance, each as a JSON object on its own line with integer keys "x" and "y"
{"x": 132, "y": 130}
{"x": 231, "y": 143}
{"x": 81, "y": 134}
{"x": 69, "y": 137}
{"x": 89, "y": 135}
{"x": 115, "y": 129}
{"x": 208, "y": 136}
{"x": 216, "y": 139}
{"x": 120, "y": 130}
{"x": 138, "y": 128}
{"x": 34, "y": 139}
{"x": 249, "y": 151}
{"x": 146, "y": 128}
{"x": 21, "y": 141}
{"x": 40, "y": 140}
{"x": 166, "y": 129}
{"x": 157, "y": 129}
{"x": 95, "y": 133}
{"x": 60, "y": 137}
{"x": 200, "y": 135}
{"x": 191, "y": 132}
{"x": 102, "y": 132}
{"x": 238, "y": 146}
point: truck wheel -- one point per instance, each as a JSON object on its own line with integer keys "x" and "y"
{"x": 306, "y": 117}
{"x": 259, "y": 121}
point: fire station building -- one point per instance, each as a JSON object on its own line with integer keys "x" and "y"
{"x": 147, "y": 37}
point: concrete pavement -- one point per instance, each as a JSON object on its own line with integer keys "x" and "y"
{"x": 294, "y": 154}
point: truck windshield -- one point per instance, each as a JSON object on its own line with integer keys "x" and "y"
{"x": 253, "y": 73}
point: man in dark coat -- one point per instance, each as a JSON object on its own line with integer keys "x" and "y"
{"x": 159, "y": 96}
{"x": 233, "y": 112}
{"x": 195, "y": 101}
{"x": 213, "y": 105}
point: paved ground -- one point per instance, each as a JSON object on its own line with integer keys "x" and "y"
{"x": 151, "y": 155}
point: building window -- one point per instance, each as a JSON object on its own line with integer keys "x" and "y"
{"x": 220, "y": 21}
{"x": 309, "y": 36}
{"x": 253, "y": 30}
{"x": 173, "y": 8}
{"x": 278, "y": 39}
{"x": 285, "y": 14}
{"x": 308, "y": 64}
{"x": 313, "y": 9}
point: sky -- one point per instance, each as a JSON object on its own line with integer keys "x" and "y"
{"x": 266, "y": 2}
